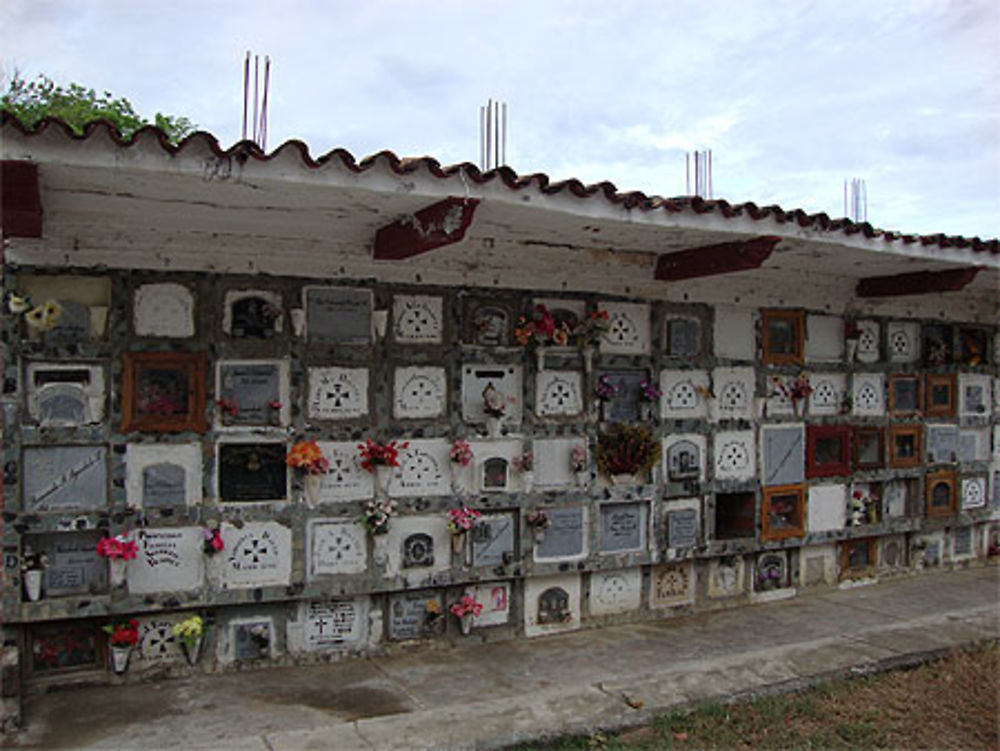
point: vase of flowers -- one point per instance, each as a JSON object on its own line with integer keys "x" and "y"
{"x": 578, "y": 463}
{"x": 461, "y": 458}
{"x": 460, "y": 521}
{"x": 466, "y": 610}
{"x": 626, "y": 453}
{"x": 494, "y": 407}
{"x": 122, "y": 637}
{"x": 33, "y": 567}
{"x": 376, "y": 515}
{"x": 539, "y": 521}
{"x": 587, "y": 335}
{"x": 649, "y": 394}
{"x": 605, "y": 391}
{"x": 189, "y": 633}
{"x": 211, "y": 540}
{"x": 852, "y": 335}
{"x": 307, "y": 459}
{"x": 117, "y": 550}
{"x": 796, "y": 393}
{"x": 381, "y": 459}
{"x": 538, "y": 329}
{"x": 524, "y": 464}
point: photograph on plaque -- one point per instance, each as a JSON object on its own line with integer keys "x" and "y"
{"x": 163, "y": 391}
{"x": 252, "y": 472}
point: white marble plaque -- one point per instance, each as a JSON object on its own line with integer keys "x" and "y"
{"x": 735, "y": 455}
{"x": 551, "y": 604}
{"x": 337, "y": 546}
{"x": 733, "y": 333}
{"x": 827, "y": 508}
{"x": 164, "y": 310}
{"x": 683, "y": 394}
{"x": 495, "y": 599}
{"x": 869, "y": 341}
{"x": 338, "y": 393}
{"x": 726, "y": 576}
{"x": 506, "y": 379}
{"x": 903, "y": 341}
{"x": 345, "y": 480}
{"x": 257, "y": 555}
{"x": 734, "y": 393}
{"x": 974, "y": 397}
{"x": 824, "y": 338}
{"x": 827, "y": 393}
{"x": 614, "y": 592}
{"x": 671, "y": 585}
{"x": 140, "y": 458}
{"x": 552, "y": 462}
{"x": 328, "y": 626}
{"x": 61, "y": 395}
{"x": 973, "y": 492}
{"x": 558, "y": 393}
{"x": 419, "y": 392}
{"x": 628, "y": 331}
{"x": 869, "y": 394}
{"x": 417, "y": 319}
{"x": 170, "y": 559}
{"x": 157, "y": 643}
{"x": 424, "y": 469}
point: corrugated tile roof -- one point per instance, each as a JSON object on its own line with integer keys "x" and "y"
{"x": 538, "y": 181}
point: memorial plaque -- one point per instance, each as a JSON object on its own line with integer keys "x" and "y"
{"x": 165, "y": 310}
{"x": 337, "y": 547}
{"x": 157, "y": 642}
{"x": 942, "y": 443}
{"x": 558, "y": 393}
{"x": 974, "y": 399}
{"x": 417, "y": 319}
{"x": 553, "y": 606}
{"x": 418, "y": 551}
{"x": 424, "y": 469}
{"x": 419, "y": 392}
{"x": 672, "y": 584}
{"x": 495, "y": 599}
{"x": 345, "y": 481}
{"x": 62, "y": 477}
{"x": 253, "y": 388}
{"x": 408, "y": 614}
{"x": 725, "y": 576}
{"x": 493, "y": 540}
{"x": 622, "y": 527}
{"x": 338, "y": 393}
{"x": 163, "y": 485}
{"x": 256, "y": 555}
{"x": 74, "y": 566}
{"x": 565, "y": 536}
{"x": 331, "y": 624}
{"x": 506, "y": 379}
{"x": 683, "y": 461}
{"x": 626, "y": 404}
{"x": 784, "y": 455}
{"x": 252, "y": 472}
{"x": 734, "y": 391}
{"x": 683, "y": 337}
{"x": 682, "y": 528}
{"x": 339, "y": 315}
{"x": 968, "y": 446}
{"x": 252, "y": 640}
{"x": 73, "y": 325}
{"x": 628, "y": 329}
{"x": 170, "y": 559}
{"x": 615, "y": 591}
{"x": 962, "y": 542}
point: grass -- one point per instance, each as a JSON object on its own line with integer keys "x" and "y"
{"x": 952, "y": 703}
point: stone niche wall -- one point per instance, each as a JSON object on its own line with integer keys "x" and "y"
{"x": 798, "y": 449}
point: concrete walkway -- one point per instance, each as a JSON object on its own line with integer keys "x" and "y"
{"x": 496, "y": 694}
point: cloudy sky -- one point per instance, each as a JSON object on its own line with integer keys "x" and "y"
{"x": 793, "y": 97}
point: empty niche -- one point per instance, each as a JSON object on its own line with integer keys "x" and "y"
{"x": 735, "y": 515}
{"x": 558, "y": 393}
{"x": 163, "y": 310}
{"x": 338, "y": 315}
{"x": 419, "y": 392}
{"x": 417, "y": 319}
{"x": 65, "y": 395}
{"x": 628, "y": 329}
{"x": 418, "y": 550}
{"x": 338, "y": 393}
{"x": 824, "y": 338}
{"x": 252, "y": 314}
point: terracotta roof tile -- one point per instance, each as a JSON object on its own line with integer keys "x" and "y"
{"x": 539, "y": 181}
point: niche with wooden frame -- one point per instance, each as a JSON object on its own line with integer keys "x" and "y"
{"x": 939, "y": 395}
{"x": 941, "y": 493}
{"x": 782, "y": 337}
{"x": 857, "y": 557}
{"x": 904, "y": 446}
{"x": 828, "y": 450}
{"x": 163, "y": 392}
{"x": 868, "y": 447}
{"x": 904, "y": 394}
{"x": 782, "y": 512}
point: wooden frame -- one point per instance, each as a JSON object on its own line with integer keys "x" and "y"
{"x": 821, "y": 438}
{"x": 863, "y": 438}
{"x": 939, "y": 395}
{"x": 785, "y": 502}
{"x": 782, "y": 337}
{"x": 944, "y": 479}
{"x": 163, "y": 392}
{"x": 904, "y": 394}
{"x": 847, "y": 547}
{"x": 900, "y": 454}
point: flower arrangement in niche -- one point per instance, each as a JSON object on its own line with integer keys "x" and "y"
{"x": 211, "y": 540}
{"x": 461, "y": 453}
{"x": 376, "y": 516}
{"x": 649, "y": 391}
{"x": 626, "y": 450}
{"x": 432, "y": 612}
{"x": 794, "y": 392}
{"x": 864, "y": 508}
{"x": 189, "y": 631}
{"x": 44, "y": 317}
{"x": 32, "y": 561}
{"x": 590, "y": 331}
{"x": 461, "y": 520}
{"x": 375, "y": 455}
{"x": 228, "y": 407}
{"x": 123, "y": 634}
{"x": 540, "y": 328}
{"x": 307, "y": 458}
{"x": 466, "y": 606}
{"x": 118, "y": 548}
{"x": 606, "y": 389}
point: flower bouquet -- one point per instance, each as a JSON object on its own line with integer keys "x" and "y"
{"x": 624, "y": 451}
{"x": 524, "y": 464}
{"x": 380, "y": 459}
{"x": 33, "y": 567}
{"x": 189, "y": 632}
{"x": 461, "y": 458}
{"x": 307, "y": 459}
{"x": 465, "y": 610}
{"x": 494, "y": 407}
{"x": 121, "y": 638}
{"x": 460, "y": 521}
{"x": 578, "y": 461}
{"x": 212, "y": 540}
{"x": 539, "y": 521}
{"x": 377, "y": 514}
{"x": 117, "y": 550}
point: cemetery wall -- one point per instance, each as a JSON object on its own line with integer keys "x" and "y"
{"x": 161, "y": 406}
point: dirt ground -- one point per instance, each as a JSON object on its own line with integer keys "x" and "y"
{"x": 953, "y": 703}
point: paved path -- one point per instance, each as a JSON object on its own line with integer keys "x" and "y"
{"x": 495, "y": 694}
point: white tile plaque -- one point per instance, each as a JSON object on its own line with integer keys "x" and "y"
{"x": 170, "y": 559}
{"x": 558, "y": 393}
{"x": 417, "y": 319}
{"x": 165, "y": 310}
{"x": 735, "y": 455}
{"x": 419, "y": 392}
{"x": 684, "y": 394}
{"x": 337, "y": 546}
{"x": 338, "y": 393}
{"x": 551, "y": 604}
{"x": 141, "y": 476}
{"x": 257, "y": 555}
{"x": 869, "y": 394}
{"x": 734, "y": 393}
{"x": 614, "y": 592}
{"x": 628, "y": 329}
